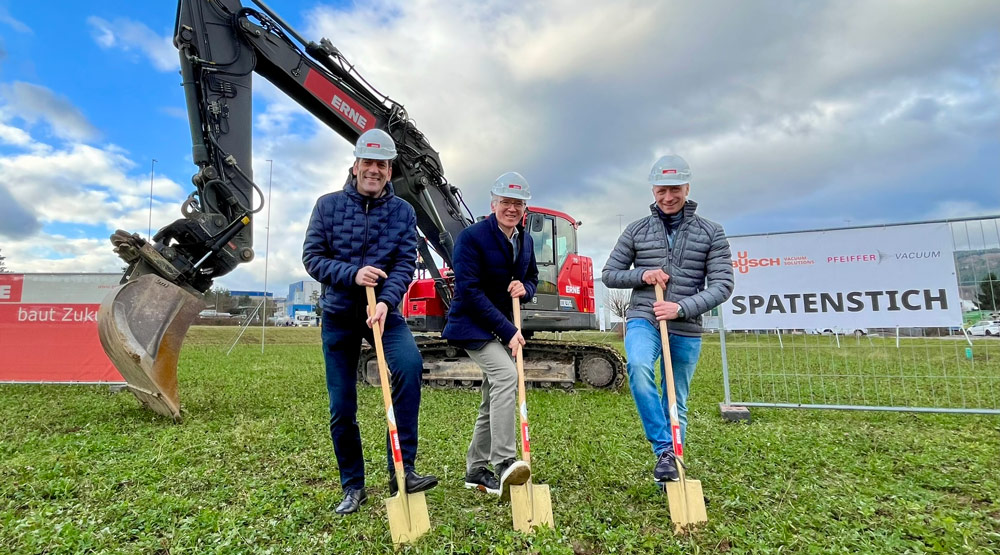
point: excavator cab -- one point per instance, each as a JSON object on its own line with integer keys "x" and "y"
{"x": 564, "y": 299}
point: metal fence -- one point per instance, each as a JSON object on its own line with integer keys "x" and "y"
{"x": 894, "y": 369}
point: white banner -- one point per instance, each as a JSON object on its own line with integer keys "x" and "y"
{"x": 849, "y": 279}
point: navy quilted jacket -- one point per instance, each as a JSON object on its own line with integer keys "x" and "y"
{"x": 347, "y": 231}
{"x": 484, "y": 268}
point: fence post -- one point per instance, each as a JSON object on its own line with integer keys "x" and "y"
{"x": 729, "y": 413}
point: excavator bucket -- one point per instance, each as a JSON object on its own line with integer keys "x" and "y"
{"x": 142, "y": 326}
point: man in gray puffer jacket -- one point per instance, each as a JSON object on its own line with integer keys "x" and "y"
{"x": 689, "y": 256}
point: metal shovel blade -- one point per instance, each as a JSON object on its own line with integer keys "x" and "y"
{"x": 686, "y": 502}
{"x": 142, "y": 326}
{"x": 408, "y": 518}
{"x": 531, "y": 506}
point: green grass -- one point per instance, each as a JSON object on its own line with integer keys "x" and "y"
{"x": 251, "y": 469}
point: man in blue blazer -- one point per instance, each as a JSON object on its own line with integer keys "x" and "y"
{"x": 366, "y": 236}
{"x": 494, "y": 265}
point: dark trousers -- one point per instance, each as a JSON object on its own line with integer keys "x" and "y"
{"x": 342, "y": 335}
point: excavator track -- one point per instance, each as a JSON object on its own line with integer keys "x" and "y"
{"x": 547, "y": 364}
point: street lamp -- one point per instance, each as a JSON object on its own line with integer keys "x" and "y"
{"x": 267, "y": 245}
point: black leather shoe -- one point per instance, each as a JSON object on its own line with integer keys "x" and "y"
{"x": 414, "y": 482}
{"x": 353, "y": 500}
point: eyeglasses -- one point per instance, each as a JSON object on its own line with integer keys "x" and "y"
{"x": 512, "y": 203}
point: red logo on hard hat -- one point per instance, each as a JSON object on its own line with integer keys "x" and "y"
{"x": 513, "y": 186}
{"x": 669, "y": 171}
{"x": 373, "y": 145}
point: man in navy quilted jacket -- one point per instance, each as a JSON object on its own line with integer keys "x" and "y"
{"x": 689, "y": 256}
{"x": 365, "y": 236}
{"x": 494, "y": 265}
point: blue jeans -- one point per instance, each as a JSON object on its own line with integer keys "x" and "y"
{"x": 642, "y": 349}
{"x": 342, "y": 335}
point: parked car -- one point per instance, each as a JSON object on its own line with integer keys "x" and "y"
{"x": 985, "y": 327}
{"x": 306, "y": 320}
{"x": 214, "y": 314}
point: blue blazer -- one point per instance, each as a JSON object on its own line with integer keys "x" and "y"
{"x": 484, "y": 266}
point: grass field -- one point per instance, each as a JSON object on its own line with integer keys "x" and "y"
{"x": 251, "y": 469}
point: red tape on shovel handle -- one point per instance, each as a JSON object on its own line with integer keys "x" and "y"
{"x": 397, "y": 455}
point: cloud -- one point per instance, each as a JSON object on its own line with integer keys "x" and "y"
{"x": 60, "y": 254}
{"x": 15, "y": 220}
{"x": 74, "y": 185}
{"x": 792, "y": 115}
{"x": 14, "y": 24}
{"x": 178, "y": 112}
{"x": 33, "y": 103}
{"x": 63, "y": 180}
{"x": 14, "y": 136}
{"x": 809, "y": 110}
{"x": 132, "y": 36}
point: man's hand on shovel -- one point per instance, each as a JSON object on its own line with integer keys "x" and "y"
{"x": 516, "y": 343}
{"x": 381, "y": 309}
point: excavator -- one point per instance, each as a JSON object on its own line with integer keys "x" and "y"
{"x": 221, "y": 44}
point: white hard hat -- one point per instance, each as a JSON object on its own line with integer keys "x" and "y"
{"x": 670, "y": 170}
{"x": 375, "y": 144}
{"x": 512, "y": 185}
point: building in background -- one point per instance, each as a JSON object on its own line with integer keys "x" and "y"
{"x": 302, "y": 296}
{"x": 605, "y": 314}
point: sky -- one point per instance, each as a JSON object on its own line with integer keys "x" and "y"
{"x": 792, "y": 115}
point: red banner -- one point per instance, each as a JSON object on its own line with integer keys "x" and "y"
{"x": 48, "y": 329}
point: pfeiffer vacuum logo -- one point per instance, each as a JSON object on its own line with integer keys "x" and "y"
{"x": 743, "y": 262}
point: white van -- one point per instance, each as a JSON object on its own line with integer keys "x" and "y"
{"x": 306, "y": 320}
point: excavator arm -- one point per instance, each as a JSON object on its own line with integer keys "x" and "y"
{"x": 221, "y": 45}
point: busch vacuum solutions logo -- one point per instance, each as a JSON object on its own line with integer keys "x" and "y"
{"x": 743, "y": 262}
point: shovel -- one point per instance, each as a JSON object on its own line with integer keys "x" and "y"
{"x": 407, "y": 512}
{"x": 685, "y": 498}
{"x": 530, "y": 504}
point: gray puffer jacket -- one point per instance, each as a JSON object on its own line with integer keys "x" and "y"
{"x": 700, "y": 267}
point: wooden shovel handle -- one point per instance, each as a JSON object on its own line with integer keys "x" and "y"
{"x": 383, "y": 373}
{"x": 522, "y": 405}
{"x": 675, "y": 425}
